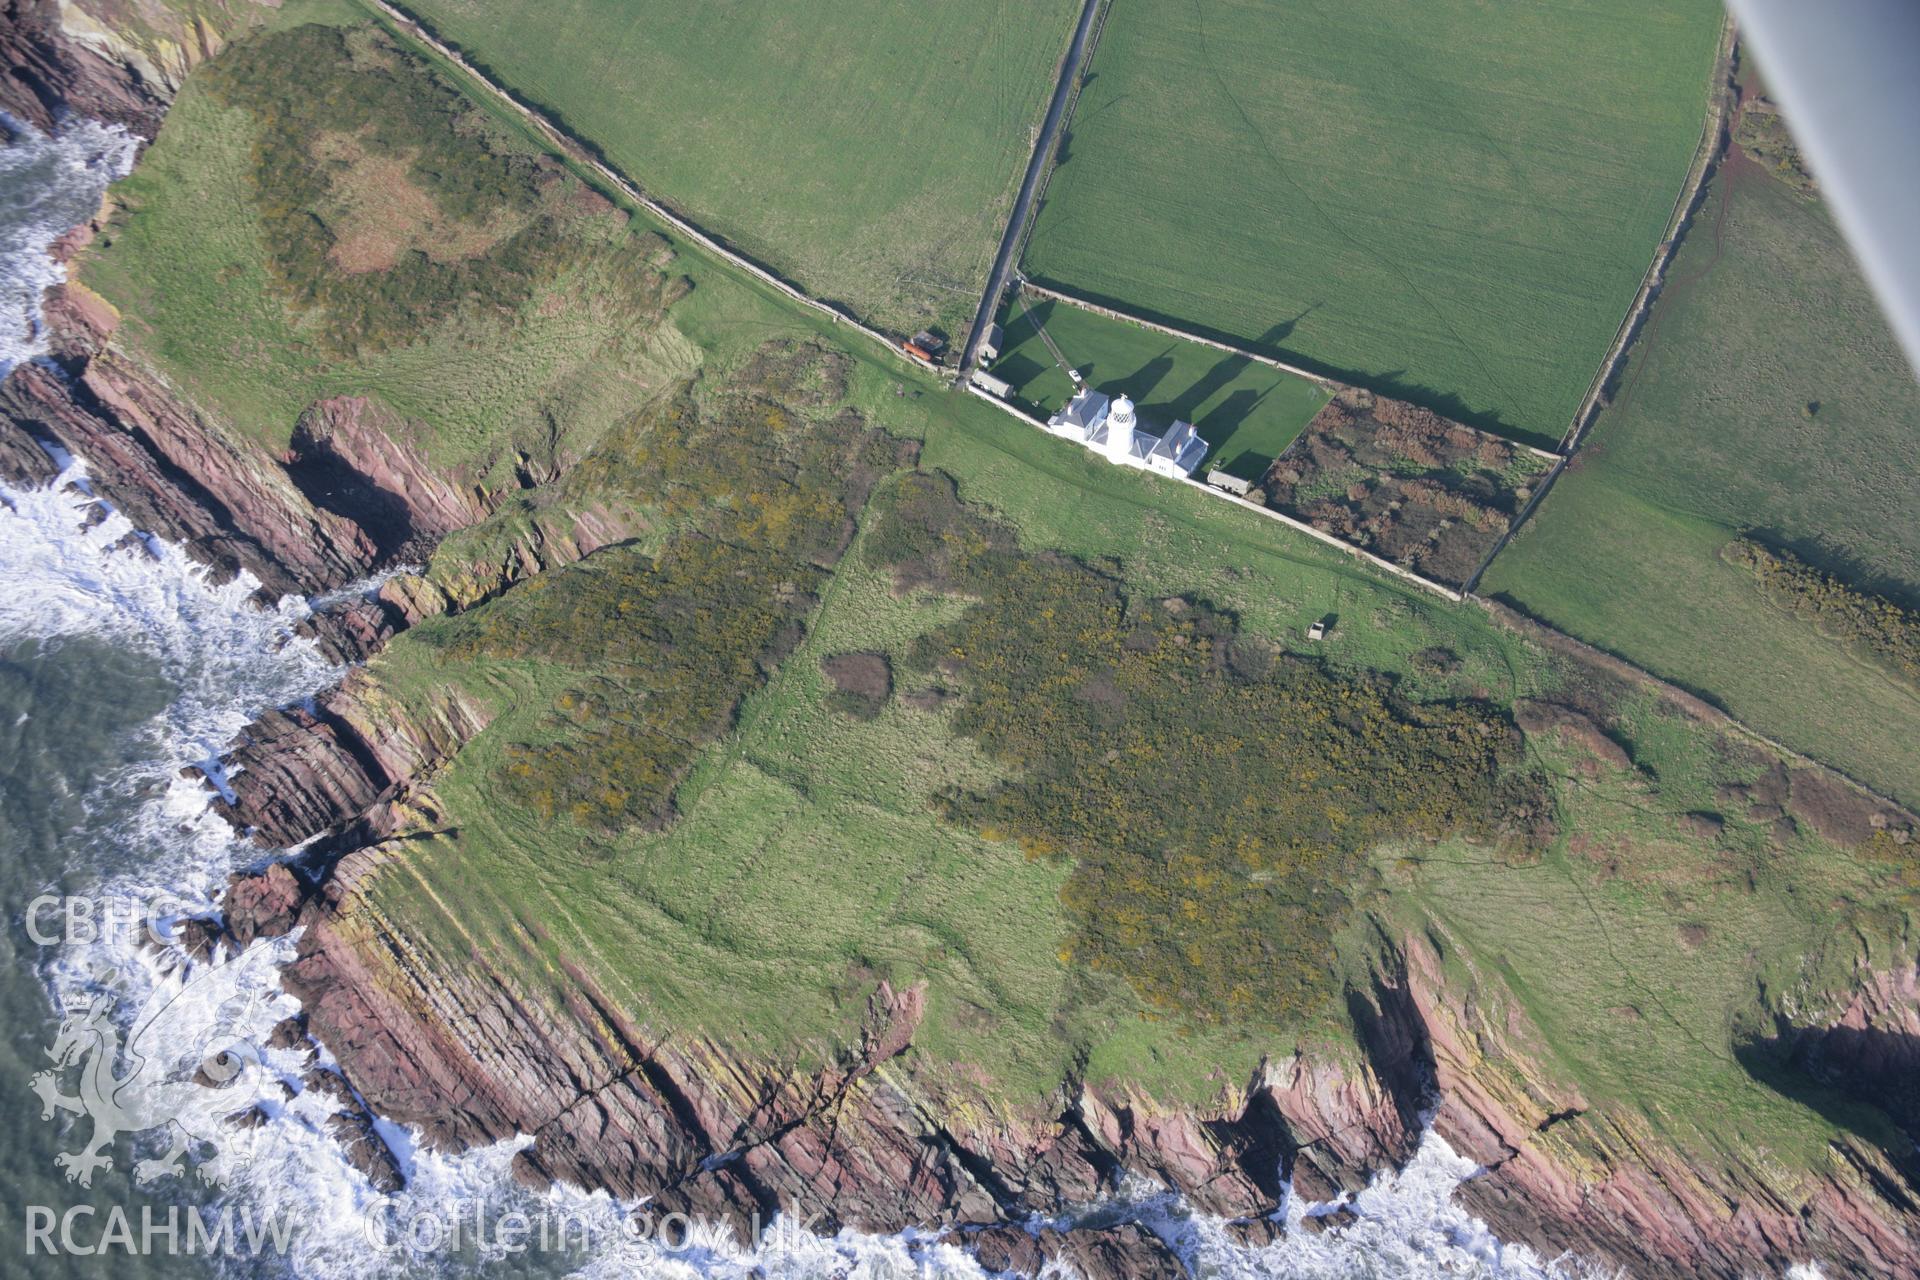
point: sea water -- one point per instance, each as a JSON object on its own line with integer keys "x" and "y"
{"x": 120, "y": 664}
{"x": 48, "y": 186}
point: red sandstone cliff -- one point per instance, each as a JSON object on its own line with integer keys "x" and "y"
{"x": 347, "y": 497}
{"x": 877, "y": 1138}
{"x": 1600, "y": 1182}
{"x": 882, "y": 1139}
{"x": 116, "y": 61}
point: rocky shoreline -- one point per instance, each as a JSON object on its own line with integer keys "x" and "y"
{"x": 447, "y": 1044}
{"x": 52, "y": 72}
{"x": 873, "y": 1138}
{"x": 442, "y": 1043}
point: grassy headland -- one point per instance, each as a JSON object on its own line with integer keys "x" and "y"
{"x": 290, "y": 238}
{"x": 745, "y": 858}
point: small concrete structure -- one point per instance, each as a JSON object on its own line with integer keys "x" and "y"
{"x": 1231, "y": 483}
{"x": 991, "y": 385}
{"x": 1112, "y": 429}
{"x": 990, "y": 345}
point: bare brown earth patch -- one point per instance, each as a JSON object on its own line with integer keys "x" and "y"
{"x": 1771, "y": 787}
{"x": 930, "y": 699}
{"x": 1101, "y": 691}
{"x": 862, "y": 683}
{"x": 379, "y": 213}
{"x": 1839, "y": 812}
{"x": 1574, "y": 728}
{"x": 1702, "y": 825}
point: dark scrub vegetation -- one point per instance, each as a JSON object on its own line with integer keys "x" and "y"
{"x": 1407, "y": 484}
{"x": 1762, "y": 134}
{"x": 388, "y": 201}
{"x": 1867, "y": 624}
{"x": 862, "y": 683}
{"x": 1218, "y": 798}
{"x": 660, "y": 648}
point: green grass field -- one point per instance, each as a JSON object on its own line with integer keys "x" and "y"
{"x": 1247, "y": 411}
{"x": 1449, "y": 204}
{"x": 868, "y": 150}
{"x": 810, "y": 859}
{"x": 807, "y": 859}
{"x": 809, "y": 863}
{"x": 186, "y": 260}
{"x": 1710, "y": 436}
{"x": 1637, "y": 952}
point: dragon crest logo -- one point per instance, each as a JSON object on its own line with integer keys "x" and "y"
{"x": 189, "y": 1063}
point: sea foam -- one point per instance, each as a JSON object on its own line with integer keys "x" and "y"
{"x": 73, "y": 573}
{"x": 49, "y": 184}
{"x": 68, "y": 573}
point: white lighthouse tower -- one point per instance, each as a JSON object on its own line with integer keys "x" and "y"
{"x": 1120, "y": 425}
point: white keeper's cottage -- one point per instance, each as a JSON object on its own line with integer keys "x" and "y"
{"x": 1111, "y": 428}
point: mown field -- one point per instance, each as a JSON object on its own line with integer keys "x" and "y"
{"x": 1447, "y": 204}
{"x": 870, "y": 151}
{"x": 1247, "y": 411}
{"x": 1768, "y": 397}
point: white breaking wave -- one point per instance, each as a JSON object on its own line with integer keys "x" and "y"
{"x": 68, "y": 573}
{"x": 229, "y": 660}
{"x": 49, "y": 184}
{"x": 1406, "y": 1225}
